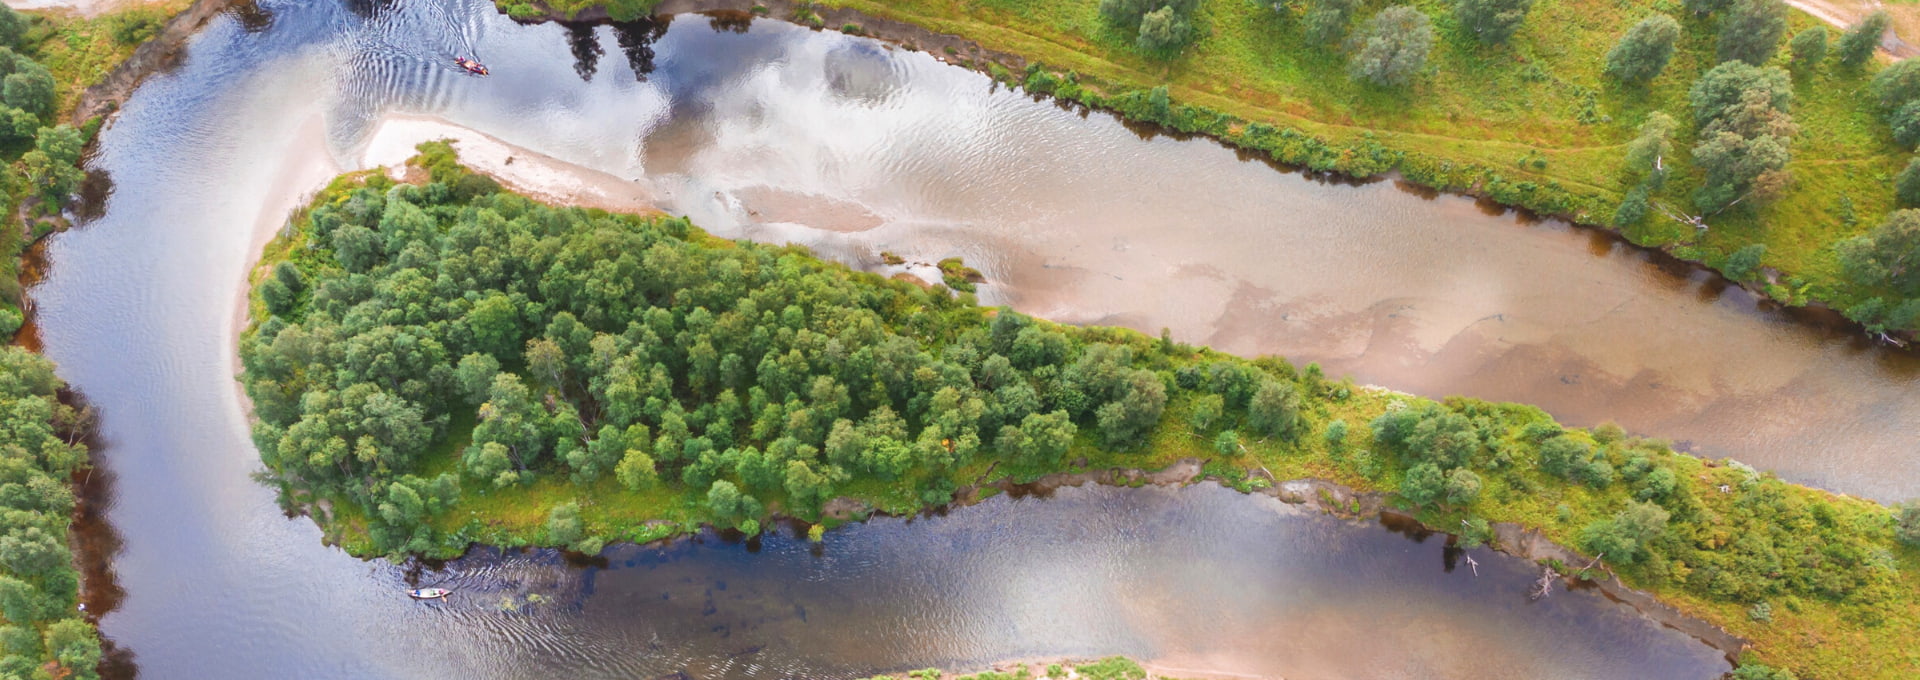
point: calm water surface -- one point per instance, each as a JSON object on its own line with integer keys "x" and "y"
{"x": 778, "y": 133}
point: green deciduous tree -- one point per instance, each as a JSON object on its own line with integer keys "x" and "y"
{"x": 1326, "y": 20}
{"x": 1632, "y": 208}
{"x": 1887, "y": 256}
{"x": 29, "y": 88}
{"x": 1158, "y": 25}
{"x": 1858, "y": 43}
{"x": 1624, "y": 538}
{"x": 1809, "y": 47}
{"x": 53, "y": 164}
{"x": 1907, "y": 522}
{"x": 1163, "y": 30}
{"x": 13, "y": 25}
{"x": 1752, "y": 30}
{"x": 1492, "y": 21}
{"x": 1645, "y": 50}
{"x": 1424, "y": 485}
{"x": 636, "y": 471}
{"x": 1654, "y": 143}
{"x": 1275, "y": 409}
{"x": 1391, "y": 48}
{"x": 1463, "y": 487}
{"x": 1905, "y": 122}
{"x": 1896, "y": 85}
{"x": 1744, "y": 135}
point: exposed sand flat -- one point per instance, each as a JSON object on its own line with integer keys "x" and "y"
{"x": 526, "y": 171}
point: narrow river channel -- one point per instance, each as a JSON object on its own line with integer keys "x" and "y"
{"x": 777, "y": 133}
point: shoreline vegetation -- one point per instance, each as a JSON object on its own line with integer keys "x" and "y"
{"x": 1110, "y": 668}
{"x": 46, "y": 58}
{"x": 435, "y": 362}
{"x": 1799, "y": 206}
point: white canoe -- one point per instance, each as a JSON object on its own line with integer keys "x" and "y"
{"x": 429, "y": 593}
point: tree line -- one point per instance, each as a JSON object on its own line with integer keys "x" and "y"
{"x": 41, "y": 158}
{"x": 42, "y": 635}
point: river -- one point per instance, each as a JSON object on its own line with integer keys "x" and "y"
{"x": 777, "y": 133}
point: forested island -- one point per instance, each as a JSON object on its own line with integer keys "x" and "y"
{"x": 1739, "y": 134}
{"x": 437, "y": 362}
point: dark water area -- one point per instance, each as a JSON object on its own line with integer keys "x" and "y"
{"x": 768, "y": 131}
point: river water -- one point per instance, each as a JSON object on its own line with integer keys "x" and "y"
{"x": 777, "y": 133}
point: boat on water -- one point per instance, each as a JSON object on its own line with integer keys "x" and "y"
{"x": 429, "y": 593}
{"x": 471, "y": 66}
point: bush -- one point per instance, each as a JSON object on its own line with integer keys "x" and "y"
{"x": 1227, "y": 444}
{"x": 1756, "y": 671}
{"x": 1392, "y": 47}
{"x": 1742, "y": 264}
{"x": 1632, "y": 208}
{"x": 563, "y": 525}
{"x": 1336, "y": 435}
{"x": 134, "y": 27}
{"x": 1645, "y": 50}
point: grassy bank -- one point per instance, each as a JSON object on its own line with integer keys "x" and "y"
{"x": 441, "y": 363}
{"x": 1533, "y": 123}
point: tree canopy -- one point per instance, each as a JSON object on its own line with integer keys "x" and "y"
{"x": 1492, "y": 21}
{"x": 39, "y": 586}
{"x": 1752, "y": 30}
{"x": 1645, "y": 50}
{"x": 1392, "y": 47}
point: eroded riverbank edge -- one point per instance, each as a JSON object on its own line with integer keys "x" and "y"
{"x": 961, "y": 51}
